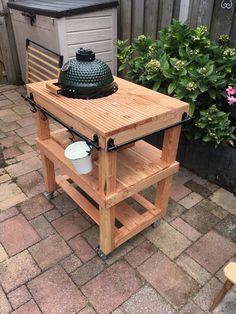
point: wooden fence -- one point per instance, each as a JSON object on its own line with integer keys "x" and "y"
{"x": 8, "y": 54}
{"x": 149, "y": 16}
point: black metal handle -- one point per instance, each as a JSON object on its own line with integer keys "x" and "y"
{"x": 112, "y": 146}
{"x": 31, "y": 16}
{"x": 34, "y": 106}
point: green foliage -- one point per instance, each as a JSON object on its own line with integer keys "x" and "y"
{"x": 183, "y": 63}
{"x": 213, "y": 125}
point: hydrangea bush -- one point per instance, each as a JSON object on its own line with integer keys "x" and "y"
{"x": 186, "y": 64}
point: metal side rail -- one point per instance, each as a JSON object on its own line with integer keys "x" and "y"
{"x": 34, "y": 107}
{"x": 112, "y": 146}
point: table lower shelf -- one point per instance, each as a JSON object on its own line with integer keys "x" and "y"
{"x": 129, "y": 221}
{"x": 138, "y": 167}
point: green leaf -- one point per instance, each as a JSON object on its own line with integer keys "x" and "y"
{"x": 122, "y": 67}
{"x": 212, "y": 93}
{"x": 191, "y": 109}
{"x": 156, "y": 85}
{"x": 167, "y": 74}
{"x": 203, "y": 87}
{"x": 171, "y": 87}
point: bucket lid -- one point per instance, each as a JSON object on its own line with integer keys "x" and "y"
{"x": 77, "y": 150}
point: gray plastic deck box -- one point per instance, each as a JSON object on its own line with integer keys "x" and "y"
{"x": 65, "y": 26}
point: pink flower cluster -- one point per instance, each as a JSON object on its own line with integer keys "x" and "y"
{"x": 230, "y": 92}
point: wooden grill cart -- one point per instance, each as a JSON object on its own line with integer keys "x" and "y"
{"x": 123, "y": 164}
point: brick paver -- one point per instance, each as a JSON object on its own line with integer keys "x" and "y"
{"x": 5, "y": 306}
{"x": 35, "y": 206}
{"x": 19, "y": 296}
{"x": 42, "y": 226}
{"x": 29, "y": 307}
{"x": 88, "y": 271}
{"x": 146, "y": 300}
{"x": 17, "y": 270}
{"x": 186, "y": 229}
{"x": 31, "y": 184}
{"x": 3, "y": 254}
{"x": 168, "y": 279}
{"x": 16, "y": 234}
{"x": 70, "y": 225}
{"x": 50, "y": 251}
{"x": 190, "y": 200}
{"x": 71, "y": 263}
{"x": 225, "y": 199}
{"x": 47, "y": 259}
{"x": 24, "y": 167}
{"x": 200, "y": 218}
{"x": 82, "y": 249}
{"x": 139, "y": 254}
{"x": 212, "y": 251}
{"x": 227, "y": 227}
{"x": 55, "y": 293}
{"x": 169, "y": 240}
{"x": 112, "y": 287}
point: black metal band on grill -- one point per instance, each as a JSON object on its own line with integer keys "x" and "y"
{"x": 81, "y": 93}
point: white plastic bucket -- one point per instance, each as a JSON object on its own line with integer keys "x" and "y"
{"x": 79, "y": 155}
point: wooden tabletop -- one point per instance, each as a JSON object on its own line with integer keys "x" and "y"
{"x": 131, "y": 107}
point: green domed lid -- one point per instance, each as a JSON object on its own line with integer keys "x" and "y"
{"x": 85, "y": 71}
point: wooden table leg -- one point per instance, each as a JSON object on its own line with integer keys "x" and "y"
{"x": 227, "y": 286}
{"x": 47, "y": 165}
{"x": 169, "y": 152}
{"x": 107, "y": 185}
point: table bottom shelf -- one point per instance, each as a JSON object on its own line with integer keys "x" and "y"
{"x": 128, "y": 220}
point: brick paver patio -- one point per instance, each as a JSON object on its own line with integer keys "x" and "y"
{"x": 47, "y": 259}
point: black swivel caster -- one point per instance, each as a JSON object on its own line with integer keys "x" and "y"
{"x": 100, "y": 253}
{"x": 156, "y": 224}
{"x": 49, "y": 195}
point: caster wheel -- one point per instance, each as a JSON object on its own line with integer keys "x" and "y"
{"x": 100, "y": 253}
{"x": 49, "y": 195}
{"x": 156, "y": 224}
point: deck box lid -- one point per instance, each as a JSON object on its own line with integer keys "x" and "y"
{"x": 60, "y": 8}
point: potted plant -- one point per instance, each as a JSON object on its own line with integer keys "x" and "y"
{"x": 186, "y": 64}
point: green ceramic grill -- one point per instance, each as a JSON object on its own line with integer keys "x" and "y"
{"x": 86, "y": 77}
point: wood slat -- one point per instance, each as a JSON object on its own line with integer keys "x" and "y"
{"x": 151, "y": 18}
{"x": 222, "y": 19}
{"x": 89, "y": 209}
{"x": 205, "y": 13}
{"x": 35, "y": 77}
{"x": 128, "y": 216}
{"x": 52, "y": 74}
{"x": 123, "y": 234}
{"x": 154, "y": 210}
{"x": 125, "y": 19}
{"x": 43, "y": 61}
{"x": 37, "y": 72}
{"x": 56, "y": 61}
{"x": 137, "y": 18}
{"x": 165, "y": 13}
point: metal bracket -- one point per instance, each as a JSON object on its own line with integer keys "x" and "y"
{"x": 34, "y": 107}
{"x": 31, "y": 16}
{"x": 112, "y": 146}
